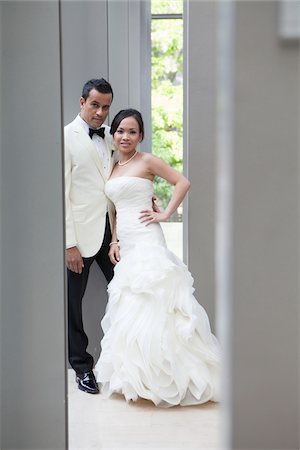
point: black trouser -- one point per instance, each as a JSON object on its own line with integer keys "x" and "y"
{"x": 79, "y": 358}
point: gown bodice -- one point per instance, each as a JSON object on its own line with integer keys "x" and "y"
{"x": 130, "y": 196}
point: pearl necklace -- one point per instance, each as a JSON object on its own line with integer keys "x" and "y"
{"x": 123, "y": 164}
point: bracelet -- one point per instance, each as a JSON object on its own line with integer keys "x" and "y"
{"x": 114, "y": 242}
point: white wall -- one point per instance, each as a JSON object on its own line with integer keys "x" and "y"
{"x": 33, "y": 389}
{"x": 84, "y": 49}
{"x": 265, "y": 225}
{"x": 200, "y": 146}
{"x": 129, "y": 59}
{"x": 1, "y": 376}
{"x": 85, "y": 56}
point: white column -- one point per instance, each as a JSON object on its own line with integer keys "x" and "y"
{"x": 85, "y": 56}
{"x": 265, "y": 289}
{"x": 84, "y": 48}
{"x": 200, "y": 22}
{"x": 129, "y": 59}
{"x": 32, "y": 321}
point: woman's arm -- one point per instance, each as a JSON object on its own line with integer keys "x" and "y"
{"x": 114, "y": 251}
{"x": 159, "y": 168}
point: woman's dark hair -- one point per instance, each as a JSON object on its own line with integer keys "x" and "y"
{"x": 123, "y": 114}
{"x": 99, "y": 84}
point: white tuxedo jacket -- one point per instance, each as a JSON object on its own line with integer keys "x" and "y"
{"x": 86, "y": 203}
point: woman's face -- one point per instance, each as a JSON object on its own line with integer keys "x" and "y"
{"x": 127, "y": 135}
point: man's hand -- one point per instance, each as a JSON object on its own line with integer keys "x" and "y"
{"x": 74, "y": 260}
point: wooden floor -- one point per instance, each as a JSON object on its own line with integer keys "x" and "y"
{"x": 96, "y": 423}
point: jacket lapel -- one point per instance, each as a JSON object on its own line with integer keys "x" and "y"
{"x": 111, "y": 151}
{"x": 88, "y": 144}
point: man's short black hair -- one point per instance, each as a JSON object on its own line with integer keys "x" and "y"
{"x": 99, "y": 84}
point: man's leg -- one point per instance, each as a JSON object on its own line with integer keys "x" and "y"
{"x": 80, "y": 360}
{"x": 102, "y": 258}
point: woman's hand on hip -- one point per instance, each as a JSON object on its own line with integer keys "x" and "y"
{"x": 149, "y": 216}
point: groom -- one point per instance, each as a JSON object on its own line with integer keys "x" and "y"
{"x": 88, "y": 164}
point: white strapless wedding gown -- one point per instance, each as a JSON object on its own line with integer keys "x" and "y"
{"x": 157, "y": 341}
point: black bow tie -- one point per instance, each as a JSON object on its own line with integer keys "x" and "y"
{"x": 100, "y": 132}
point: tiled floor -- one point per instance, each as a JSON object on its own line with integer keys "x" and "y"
{"x": 95, "y": 423}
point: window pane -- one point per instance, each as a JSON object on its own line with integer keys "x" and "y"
{"x": 166, "y": 6}
{"x": 167, "y": 101}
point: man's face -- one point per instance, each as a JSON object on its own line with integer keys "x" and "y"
{"x": 95, "y": 108}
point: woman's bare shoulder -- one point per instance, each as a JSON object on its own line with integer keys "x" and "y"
{"x": 148, "y": 157}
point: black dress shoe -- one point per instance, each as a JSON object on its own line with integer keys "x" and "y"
{"x": 87, "y": 382}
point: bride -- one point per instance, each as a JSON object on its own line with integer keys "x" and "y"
{"x": 157, "y": 342}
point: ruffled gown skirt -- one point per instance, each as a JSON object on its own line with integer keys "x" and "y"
{"x": 157, "y": 341}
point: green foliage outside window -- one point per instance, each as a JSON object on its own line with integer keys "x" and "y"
{"x": 167, "y": 6}
{"x": 167, "y": 93}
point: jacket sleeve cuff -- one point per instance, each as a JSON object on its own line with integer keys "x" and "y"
{"x": 71, "y": 245}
